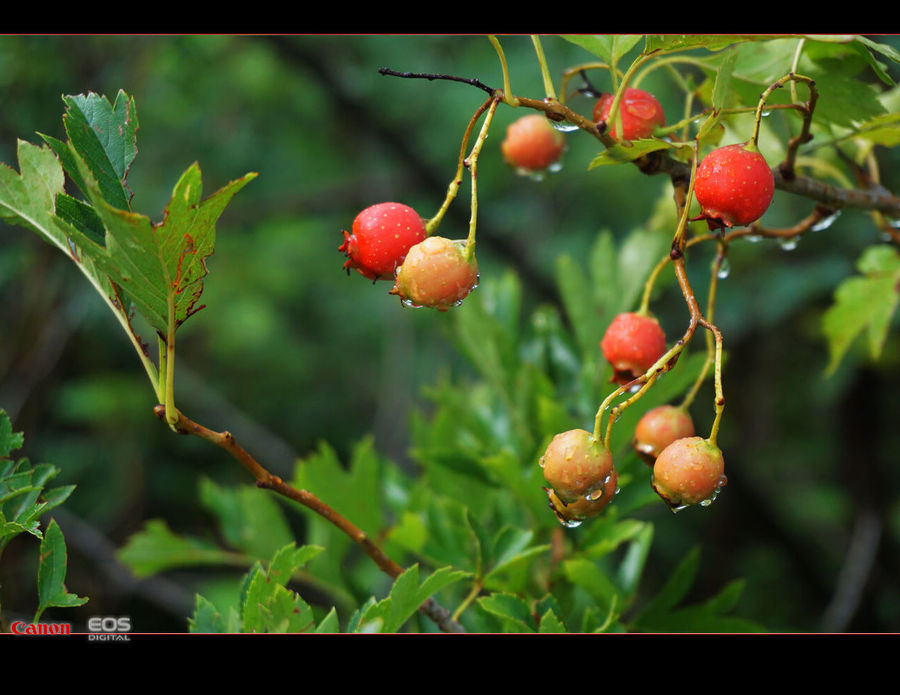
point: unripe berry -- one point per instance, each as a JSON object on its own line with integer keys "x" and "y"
{"x": 734, "y": 186}
{"x": 632, "y": 344}
{"x": 578, "y": 467}
{"x": 574, "y": 513}
{"x": 640, "y": 110}
{"x": 658, "y": 428}
{"x": 532, "y": 143}
{"x": 689, "y": 471}
{"x": 436, "y": 273}
{"x": 382, "y": 235}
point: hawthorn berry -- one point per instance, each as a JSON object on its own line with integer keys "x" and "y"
{"x": 579, "y": 468}
{"x": 532, "y": 144}
{"x": 658, "y": 428}
{"x": 436, "y": 273}
{"x": 574, "y": 513}
{"x": 640, "y": 110}
{"x": 632, "y": 344}
{"x": 690, "y": 470}
{"x": 734, "y": 186}
{"x": 382, "y": 235}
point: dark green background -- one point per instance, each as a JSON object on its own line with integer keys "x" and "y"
{"x": 290, "y": 351}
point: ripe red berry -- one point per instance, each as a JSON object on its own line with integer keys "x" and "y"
{"x": 532, "y": 143}
{"x": 658, "y": 428}
{"x": 640, "y": 110}
{"x": 574, "y": 513}
{"x": 382, "y": 235}
{"x": 689, "y": 471}
{"x": 734, "y": 186}
{"x": 632, "y": 344}
{"x": 436, "y": 273}
{"x": 578, "y": 467}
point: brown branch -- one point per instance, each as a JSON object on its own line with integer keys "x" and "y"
{"x": 268, "y": 481}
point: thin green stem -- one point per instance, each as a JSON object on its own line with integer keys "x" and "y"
{"x": 720, "y": 395}
{"x": 171, "y": 411}
{"x": 545, "y": 69}
{"x": 710, "y": 309}
{"x": 161, "y": 381}
{"x": 466, "y": 602}
{"x": 432, "y": 224}
{"x": 472, "y": 162}
{"x": 508, "y": 97}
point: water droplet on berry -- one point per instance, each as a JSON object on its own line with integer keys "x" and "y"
{"x": 410, "y": 303}
{"x": 555, "y": 167}
{"x": 892, "y": 222}
{"x": 594, "y": 495}
{"x": 825, "y": 223}
{"x": 788, "y": 243}
{"x": 570, "y": 523}
{"x": 724, "y": 269}
{"x": 541, "y": 462}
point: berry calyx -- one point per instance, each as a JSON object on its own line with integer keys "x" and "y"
{"x": 658, "y": 428}
{"x": 532, "y": 144}
{"x": 436, "y": 273}
{"x": 632, "y": 344}
{"x": 641, "y": 113}
{"x": 734, "y": 186}
{"x": 382, "y": 236}
{"x": 689, "y": 471}
{"x": 578, "y": 467}
{"x": 574, "y": 513}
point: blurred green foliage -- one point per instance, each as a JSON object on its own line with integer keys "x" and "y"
{"x": 299, "y": 361}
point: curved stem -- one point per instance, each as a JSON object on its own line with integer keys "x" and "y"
{"x": 508, "y": 97}
{"x": 266, "y": 480}
{"x": 432, "y": 224}
{"x": 472, "y": 162}
{"x": 545, "y": 69}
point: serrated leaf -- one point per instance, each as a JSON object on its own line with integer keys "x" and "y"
{"x": 161, "y": 267}
{"x": 592, "y": 579}
{"x": 156, "y": 548}
{"x": 52, "y": 572}
{"x": 406, "y": 596}
{"x": 206, "y": 618}
{"x": 682, "y": 42}
{"x": 250, "y": 520}
{"x": 512, "y": 611}
{"x": 550, "y": 623}
{"x": 723, "y": 79}
{"x": 329, "y": 623}
{"x": 105, "y": 136}
{"x": 848, "y": 102}
{"x": 9, "y": 441}
{"x": 864, "y": 303}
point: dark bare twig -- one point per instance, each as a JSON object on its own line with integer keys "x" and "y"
{"x": 433, "y": 76}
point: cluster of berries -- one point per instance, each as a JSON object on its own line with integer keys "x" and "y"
{"x": 733, "y": 186}
{"x": 389, "y": 242}
{"x": 686, "y": 469}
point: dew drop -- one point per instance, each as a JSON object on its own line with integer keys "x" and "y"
{"x": 788, "y": 243}
{"x": 753, "y": 238}
{"x": 563, "y": 126}
{"x": 570, "y": 523}
{"x": 893, "y": 223}
{"x": 541, "y": 462}
{"x": 724, "y": 269}
{"x": 539, "y": 175}
{"x": 555, "y": 167}
{"x": 826, "y": 222}
{"x": 635, "y": 388}
{"x": 594, "y": 495}
{"x": 766, "y": 114}
{"x": 410, "y": 303}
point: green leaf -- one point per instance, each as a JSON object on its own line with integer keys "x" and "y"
{"x": 683, "y": 42}
{"x": 551, "y": 623}
{"x": 674, "y": 590}
{"x": 161, "y": 267}
{"x": 52, "y": 573}
{"x": 156, "y": 549}
{"x": 513, "y": 612}
{"x": 250, "y": 520}
{"x": 619, "y": 154}
{"x": 329, "y": 623}
{"x": 591, "y": 578}
{"x": 609, "y": 47}
{"x": 863, "y": 303}
{"x": 206, "y": 618}
{"x": 390, "y": 614}
{"x": 105, "y": 136}
{"x": 723, "y": 79}
{"x": 848, "y": 102}
{"x": 9, "y": 441}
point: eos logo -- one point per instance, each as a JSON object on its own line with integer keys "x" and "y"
{"x": 108, "y": 628}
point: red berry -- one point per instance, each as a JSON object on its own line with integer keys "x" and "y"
{"x": 640, "y": 110}
{"x": 382, "y": 235}
{"x": 532, "y": 143}
{"x": 574, "y": 513}
{"x": 436, "y": 273}
{"x": 734, "y": 186}
{"x": 689, "y": 471}
{"x": 632, "y": 344}
{"x": 658, "y": 428}
{"x": 579, "y": 467}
